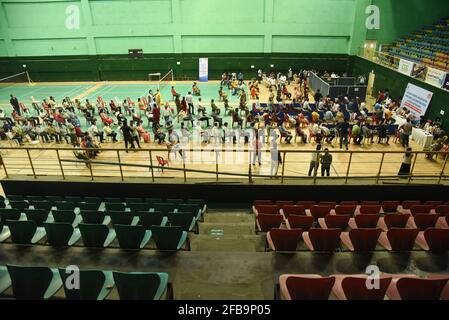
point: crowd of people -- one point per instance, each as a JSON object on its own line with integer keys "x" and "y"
{"x": 284, "y": 116}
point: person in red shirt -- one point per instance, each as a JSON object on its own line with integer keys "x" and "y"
{"x": 173, "y": 93}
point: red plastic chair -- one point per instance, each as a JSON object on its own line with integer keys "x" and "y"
{"x": 299, "y": 222}
{"x": 370, "y": 209}
{"x": 434, "y": 240}
{"x": 434, "y": 204}
{"x": 334, "y": 222}
{"x": 162, "y": 162}
{"x": 266, "y": 222}
{"x": 424, "y": 209}
{"x": 397, "y": 239}
{"x": 284, "y": 239}
{"x": 370, "y": 203}
{"x": 281, "y": 204}
{"x": 322, "y": 240}
{"x": 295, "y": 210}
{"x": 306, "y": 204}
{"x": 305, "y": 287}
{"x": 445, "y": 293}
{"x": 353, "y": 287}
{"x": 349, "y": 203}
{"x": 262, "y": 202}
{"x": 361, "y": 240}
{"x": 393, "y": 221}
{"x": 331, "y": 204}
{"x": 443, "y": 222}
{"x": 423, "y": 221}
{"x": 345, "y": 210}
{"x": 267, "y": 209}
{"x": 364, "y": 221}
{"x": 390, "y": 206}
{"x": 442, "y": 210}
{"x": 318, "y": 211}
{"x": 407, "y": 204}
{"x": 414, "y": 288}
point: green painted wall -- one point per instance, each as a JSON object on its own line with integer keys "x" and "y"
{"x": 397, "y": 83}
{"x": 38, "y": 28}
{"x": 401, "y": 17}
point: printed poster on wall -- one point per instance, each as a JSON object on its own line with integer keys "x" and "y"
{"x": 406, "y": 67}
{"x": 204, "y": 69}
{"x": 436, "y": 77}
{"x": 417, "y": 100}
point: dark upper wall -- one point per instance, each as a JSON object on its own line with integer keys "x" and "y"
{"x": 397, "y": 83}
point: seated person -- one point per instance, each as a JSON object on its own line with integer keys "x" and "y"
{"x": 214, "y": 107}
{"x": 222, "y": 95}
{"x": 109, "y": 132}
{"x": 300, "y": 133}
{"x": 357, "y": 133}
{"x": 196, "y": 90}
{"x": 383, "y": 133}
{"x": 285, "y": 134}
{"x": 285, "y": 93}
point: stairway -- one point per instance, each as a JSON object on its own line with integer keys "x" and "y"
{"x": 227, "y": 230}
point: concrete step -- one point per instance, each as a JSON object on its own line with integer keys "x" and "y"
{"x": 227, "y": 243}
{"x": 227, "y": 228}
{"x": 228, "y": 217}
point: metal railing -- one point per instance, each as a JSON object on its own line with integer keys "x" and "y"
{"x": 221, "y": 164}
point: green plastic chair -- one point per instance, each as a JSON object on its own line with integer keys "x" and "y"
{"x": 90, "y": 206}
{"x": 93, "y": 200}
{"x": 19, "y": 204}
{"x": 2, "y": 203}
{"x": 165, "y": 208}
{"x": 35, "y": 198}
{"x": 9, "y": 214}
{"x": 112, "y": 206}
{"x": 153, "y": 200}
{"x": 200, "y": 202}
{"x": 156, "y": 218}
{"x": 132, "y": 237}
{"x": 96, "y": 235}
{"x": 141, "y": 285}
{"x": 25, "y": 232}
{"x": 192, "y": 208}
{"x": 65, "y": 205}
{"x": 169, "y": 238}
{"x": 95, "y": 217}
{"x": 42, "y": 205}
{"x": 54, "y": 198}
{"x": 112, "y": 200}
{"x": 125, "y": 218}
{"x": 66, "y": 216}
{"x": 4, "y": 232}
{"x": 61, "y": 234}
{"x": 5, "y": 279}
{"x": 134, "y": 200}
{"x": 12, "y": 197}
{"x": 74, "y": 199}
{"x": 175, "y": 201}
{"x": 37, "y": 215}
{"x": 141, "y": 206}
{"x": 34, "y": 283}
{"x": 93, "y": 284}
{"x": 185, "y": 220}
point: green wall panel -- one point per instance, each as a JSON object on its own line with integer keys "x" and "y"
{"x": 229, "y": 44}
{"x": 120, "y": 45}
{"x": 3, "y": 51}
{"x": 50, "y": 47}
{"x": 309, "y": 44}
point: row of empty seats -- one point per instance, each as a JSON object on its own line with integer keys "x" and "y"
{"x": 362, "y": 287}
{"x": 37, "y": 283}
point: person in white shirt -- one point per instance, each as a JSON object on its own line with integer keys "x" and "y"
{"x": 95, "y": 132}
{"x": 189, "y": 100}
{"x": 201, "y": 108}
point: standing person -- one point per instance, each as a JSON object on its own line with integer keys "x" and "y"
{"x": 127, "y": 135}
{"x": 276, "y": 159}
{"x": 404, "y": 171}
{"x": 189, "y": 100}
{"x": 326, "y": 161}
{"x": 15, "y": 104}
{"x": 315, "y": 163}
{"x": 256, "y": 151}
{"x": 134, "y": 134}
{"x": 405, "y": 131}
{"x": 344, "y": 131}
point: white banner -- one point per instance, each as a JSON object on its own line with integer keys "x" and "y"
{"x": 204, "y": 69}
{"x": 417, "y": 100}
{"x": 406, "y": 67}
{"x": 436, "y": 77}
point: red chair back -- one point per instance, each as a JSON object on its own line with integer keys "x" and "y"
{"x": 402, "y": 239}
{"x": 442, "y": 210}
{"x": 262, "y": 202}
{"x": 269, "y": 221}
{"x": 356, "y": 289}
{"x": 366, "y": 220}
{"x": 396, "y": 220}
{"x": 307, "y": 204}
{"x": 434, "y": 204}
{"x": 437, "y": 239}
{"x": 416, "y": 209}
{"x": 370, "y": 203}
{"x": 285, "y": 239}
{"x": 301, "y": 288}
{"x": 370, "y": 209}
{"x": 420, "y": 289}
{"x": 281, "y": 204}
{"x": 346, "y": 209}
{"x": 267, "y": 209}
{"x": 300, "y": 222}
{"x": 364, "y": 240}
{"x": 331, "y": 204}
{"x": 162, "y": 162}
{"x": 390, "y": 206}
{"x": 349, "y": 203}
{"x": 425, "y": 221}
{"x": 337, "y": 222}
{"x": 295, "y": 209}
{"x": 407, "y": 204}
{"x": 324, "y": 239}
{"x": 318, "y": 211}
